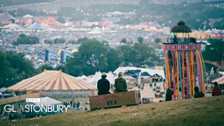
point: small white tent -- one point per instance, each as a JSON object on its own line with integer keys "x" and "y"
{"x": 150, "y": 71}
{"x": 94, "y": 78}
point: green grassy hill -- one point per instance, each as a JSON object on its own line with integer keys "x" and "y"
{"x": 194, "y": 112}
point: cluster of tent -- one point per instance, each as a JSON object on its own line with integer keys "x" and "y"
{"x": 150, "y": 72}
{"x": 111, "y": 76}
{"x": 201, "y": 35}
{"x": 6, "y": 18}
{"x": 28, "y": 21}
{"x": 56, "y": 83}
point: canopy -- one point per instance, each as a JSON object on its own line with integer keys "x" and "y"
{"x": 51, "y": 81}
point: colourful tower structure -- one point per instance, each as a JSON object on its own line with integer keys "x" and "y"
{"x": 47, "y": 56}
{"x": 184, "y": 63}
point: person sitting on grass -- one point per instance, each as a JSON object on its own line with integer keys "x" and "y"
{"x": 217, "y": 90}
{"x": 197, "y": 93}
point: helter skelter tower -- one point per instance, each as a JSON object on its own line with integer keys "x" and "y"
{"x": 184, "y": 63}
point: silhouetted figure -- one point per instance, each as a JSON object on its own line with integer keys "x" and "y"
{"x": 71, "y": 103}
{"x": 74, "y": 104}
{"x": 78, "y": 105}
{"x": 169, "y": 94}
{"x": 217, "y": 90}
{"x": 185, "y": 93}
{"x": 120, "y": 83}
{"x": 197, "y": 93}
{"x": 103, "y": 85}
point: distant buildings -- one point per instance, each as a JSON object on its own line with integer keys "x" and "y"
{"x": 203, "y": 1}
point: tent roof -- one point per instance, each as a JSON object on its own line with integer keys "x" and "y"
{"x": 27, "y": 16}
{"x": 51, "y": 80}
{"x": 37, "y": 26}
{"x": 50, "y": 21}
{"x": 6, "y": 16}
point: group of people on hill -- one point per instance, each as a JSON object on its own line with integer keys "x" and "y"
{"x": 72, "y": 104}
{"x": 197, "y": 93}
{"x": 103, "y": 85}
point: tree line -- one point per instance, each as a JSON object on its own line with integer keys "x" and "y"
{"x": 93, "y": 56}
{"x": 14, "y": 68}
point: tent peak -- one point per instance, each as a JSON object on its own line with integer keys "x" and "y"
{"x": 60, "y": 71}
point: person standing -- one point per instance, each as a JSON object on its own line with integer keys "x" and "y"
{"x": 169, "y": 94}
{"x": 120, "y": 83}
{"x": 103, "y": 85}
{"x": 78, "y": 105}
{"x": 217, "y": 90}
{"x": 198, "y": 94}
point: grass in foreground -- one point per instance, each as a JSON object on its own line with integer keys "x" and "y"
{"x": 194, "y": 112}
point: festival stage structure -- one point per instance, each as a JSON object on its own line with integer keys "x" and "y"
{"x": 184, "y": 63}
{"x": 54, "y": 84}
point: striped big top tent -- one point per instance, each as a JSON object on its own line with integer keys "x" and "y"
{"x": 52, "y": 81}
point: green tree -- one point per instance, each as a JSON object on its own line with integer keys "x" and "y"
{"x": 144, "y": 55}
{"x": 219, "y": 24}
{"x": 125, "y": 53}
{"x": 123, "y": 40}
{"x": 23, "y": 39}
{"x": 92, "y": 56}
{"x": 139, "y": 54}
{"x": 72, "y": 41}
{"x": 45, "y": 67}
{"x": 59, "y": 41}
{"x": 47, "y": 41}
{"x": 214, "y": 52}
{"x": 140, "y": 39}
{"x": 14, "y": 68}
{"x": 158, "y": 40}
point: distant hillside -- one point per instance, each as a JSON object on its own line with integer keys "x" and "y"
{"x": 22, "y": 2}
{"x": 194, "y": 112}
{"x": 163, "y": 11}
